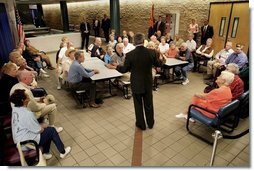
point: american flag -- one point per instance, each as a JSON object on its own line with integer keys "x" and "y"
{"x": 19, "y": 26}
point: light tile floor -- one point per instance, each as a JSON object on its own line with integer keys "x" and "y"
{"x": 105, "y": 136}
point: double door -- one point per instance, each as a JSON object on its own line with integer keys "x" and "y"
{"x": 230, "y": 21}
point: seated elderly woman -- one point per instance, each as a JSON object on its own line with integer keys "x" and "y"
{"x": 215, "y": 99}
{"x": 172, "y": 51}
{"x": 26, "y": 127}
{"x": 236, "y": 87}
{"x": 159, "y": 56}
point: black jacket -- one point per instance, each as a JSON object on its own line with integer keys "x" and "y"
{"x": 140, "y": 62}
{"x": 83, "y": 27}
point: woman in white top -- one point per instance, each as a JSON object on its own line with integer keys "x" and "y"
{"x": 193, "y": 28}
{"x": 26, "y": 127}
{"x": 163, "y": 46}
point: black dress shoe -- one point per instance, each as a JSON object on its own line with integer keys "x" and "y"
{"x": 150, "y": 127}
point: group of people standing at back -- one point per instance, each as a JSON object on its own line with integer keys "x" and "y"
{"x": 85, "y": 29}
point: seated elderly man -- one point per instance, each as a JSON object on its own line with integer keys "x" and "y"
{"x": 238, "y": 57}
{"x": 127, "y": 46}
{"x": 41, "y": 109}
{"x": 184, "y": 55}
{"x": 203, "y": 53}
{"x": 219, "y": 60}
{"x": 79, "y": 77}
{"x": 118, "y": 59}
{"x": 216, "y": 98}
{"x": 96, "y": 50}
{"x": 32, "y": 51}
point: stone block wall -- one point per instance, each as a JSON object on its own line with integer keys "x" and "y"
{"x": 134, "y": 15}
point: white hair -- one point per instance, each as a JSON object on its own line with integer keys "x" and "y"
{"x": 228, "y": 77}
{"x": 234, "y": 68}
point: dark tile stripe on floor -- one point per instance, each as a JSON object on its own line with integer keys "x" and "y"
{"x": 137, "y": 148}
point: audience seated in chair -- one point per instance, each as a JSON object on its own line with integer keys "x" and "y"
{"x": 219, "y": 60}
{"x": 96, "y": 50}
{"x": 32, "y": 51}
{"x": 216, "y": 98}
{"x": 160, "y": 58}
{"x": 26, "y": 127}
{"x": 184, "y": 55}
{"x": 118, "y": 58}
{"x": 109, "y": 54}
{"x": 238, "y": 57}
{"x": 7, "y": 81}
{"x": 67, "y": 63}
{"x": 40, "y": 109}
{"x": 79, "y": 78}
{"x": 203, "y": 54}
{"x": 236, "y": 87}
{"x": 172, "y": 51}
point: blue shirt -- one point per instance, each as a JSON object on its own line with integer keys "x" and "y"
{"x": 77, "y": 72}
{"x": 239, "y": 59}
{"x": 107, "y": 58}
{"x": 24, "y": 125}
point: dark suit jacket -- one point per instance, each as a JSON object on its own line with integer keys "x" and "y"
{"x": 83, "y": 27}
{"x": 105, "y": 24}
{"x": 139, "y": 62}
{"x": 208, "y": 34}
{"x": 161, "y": 27}
{"x": 98, "y": 26}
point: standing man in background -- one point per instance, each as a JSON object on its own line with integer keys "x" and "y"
{"x": 140, "y": 62}
{"x": 160, "y": 25}
{"x": 85, "y": 32}
{"x": 206, "y": 32}
{"x": 96, "y": 27}
{"x": 105, "y": 25}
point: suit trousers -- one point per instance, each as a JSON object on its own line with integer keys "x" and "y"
{"x": 144, "y": 100}
{"x": 85, "y": 39}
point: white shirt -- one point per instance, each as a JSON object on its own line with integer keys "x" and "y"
{"x": 163, "y": 48}
{"x": 192, "y": 45}
{"x": 128, "y": 48}
{"x": 223, "y": 55}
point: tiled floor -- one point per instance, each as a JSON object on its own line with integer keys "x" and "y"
{"x": 105, "y": 136}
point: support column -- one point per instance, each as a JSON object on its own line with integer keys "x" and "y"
{"x": 115, "y": 16}
{"x": 64, "y": 13}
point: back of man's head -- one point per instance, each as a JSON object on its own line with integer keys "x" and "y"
{"x": 23, "y": 75}
{"x": 78, "y": 54}
{"x": 139, "y": 39}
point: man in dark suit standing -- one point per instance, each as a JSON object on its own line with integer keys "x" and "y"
{"x": 96, "y": 27}
{"x": 139, "y": 62}
{"x": 85, "y": 32}
{"x": 105, "y": 25}
{"x": 160, "y": 25}
{"x": 206, "y": 32}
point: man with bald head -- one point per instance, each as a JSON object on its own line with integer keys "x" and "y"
{"x": 96, "y": 50}
{"x": 40, "y": 109}
{"x": 184, "y": 55}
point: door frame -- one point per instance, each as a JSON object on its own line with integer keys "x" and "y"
{"x": 230, "y": 2}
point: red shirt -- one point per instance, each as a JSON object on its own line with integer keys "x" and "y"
{"x": 237, "y": 87}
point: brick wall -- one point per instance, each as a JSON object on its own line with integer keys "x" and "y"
{"x": 134, "y": 14}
